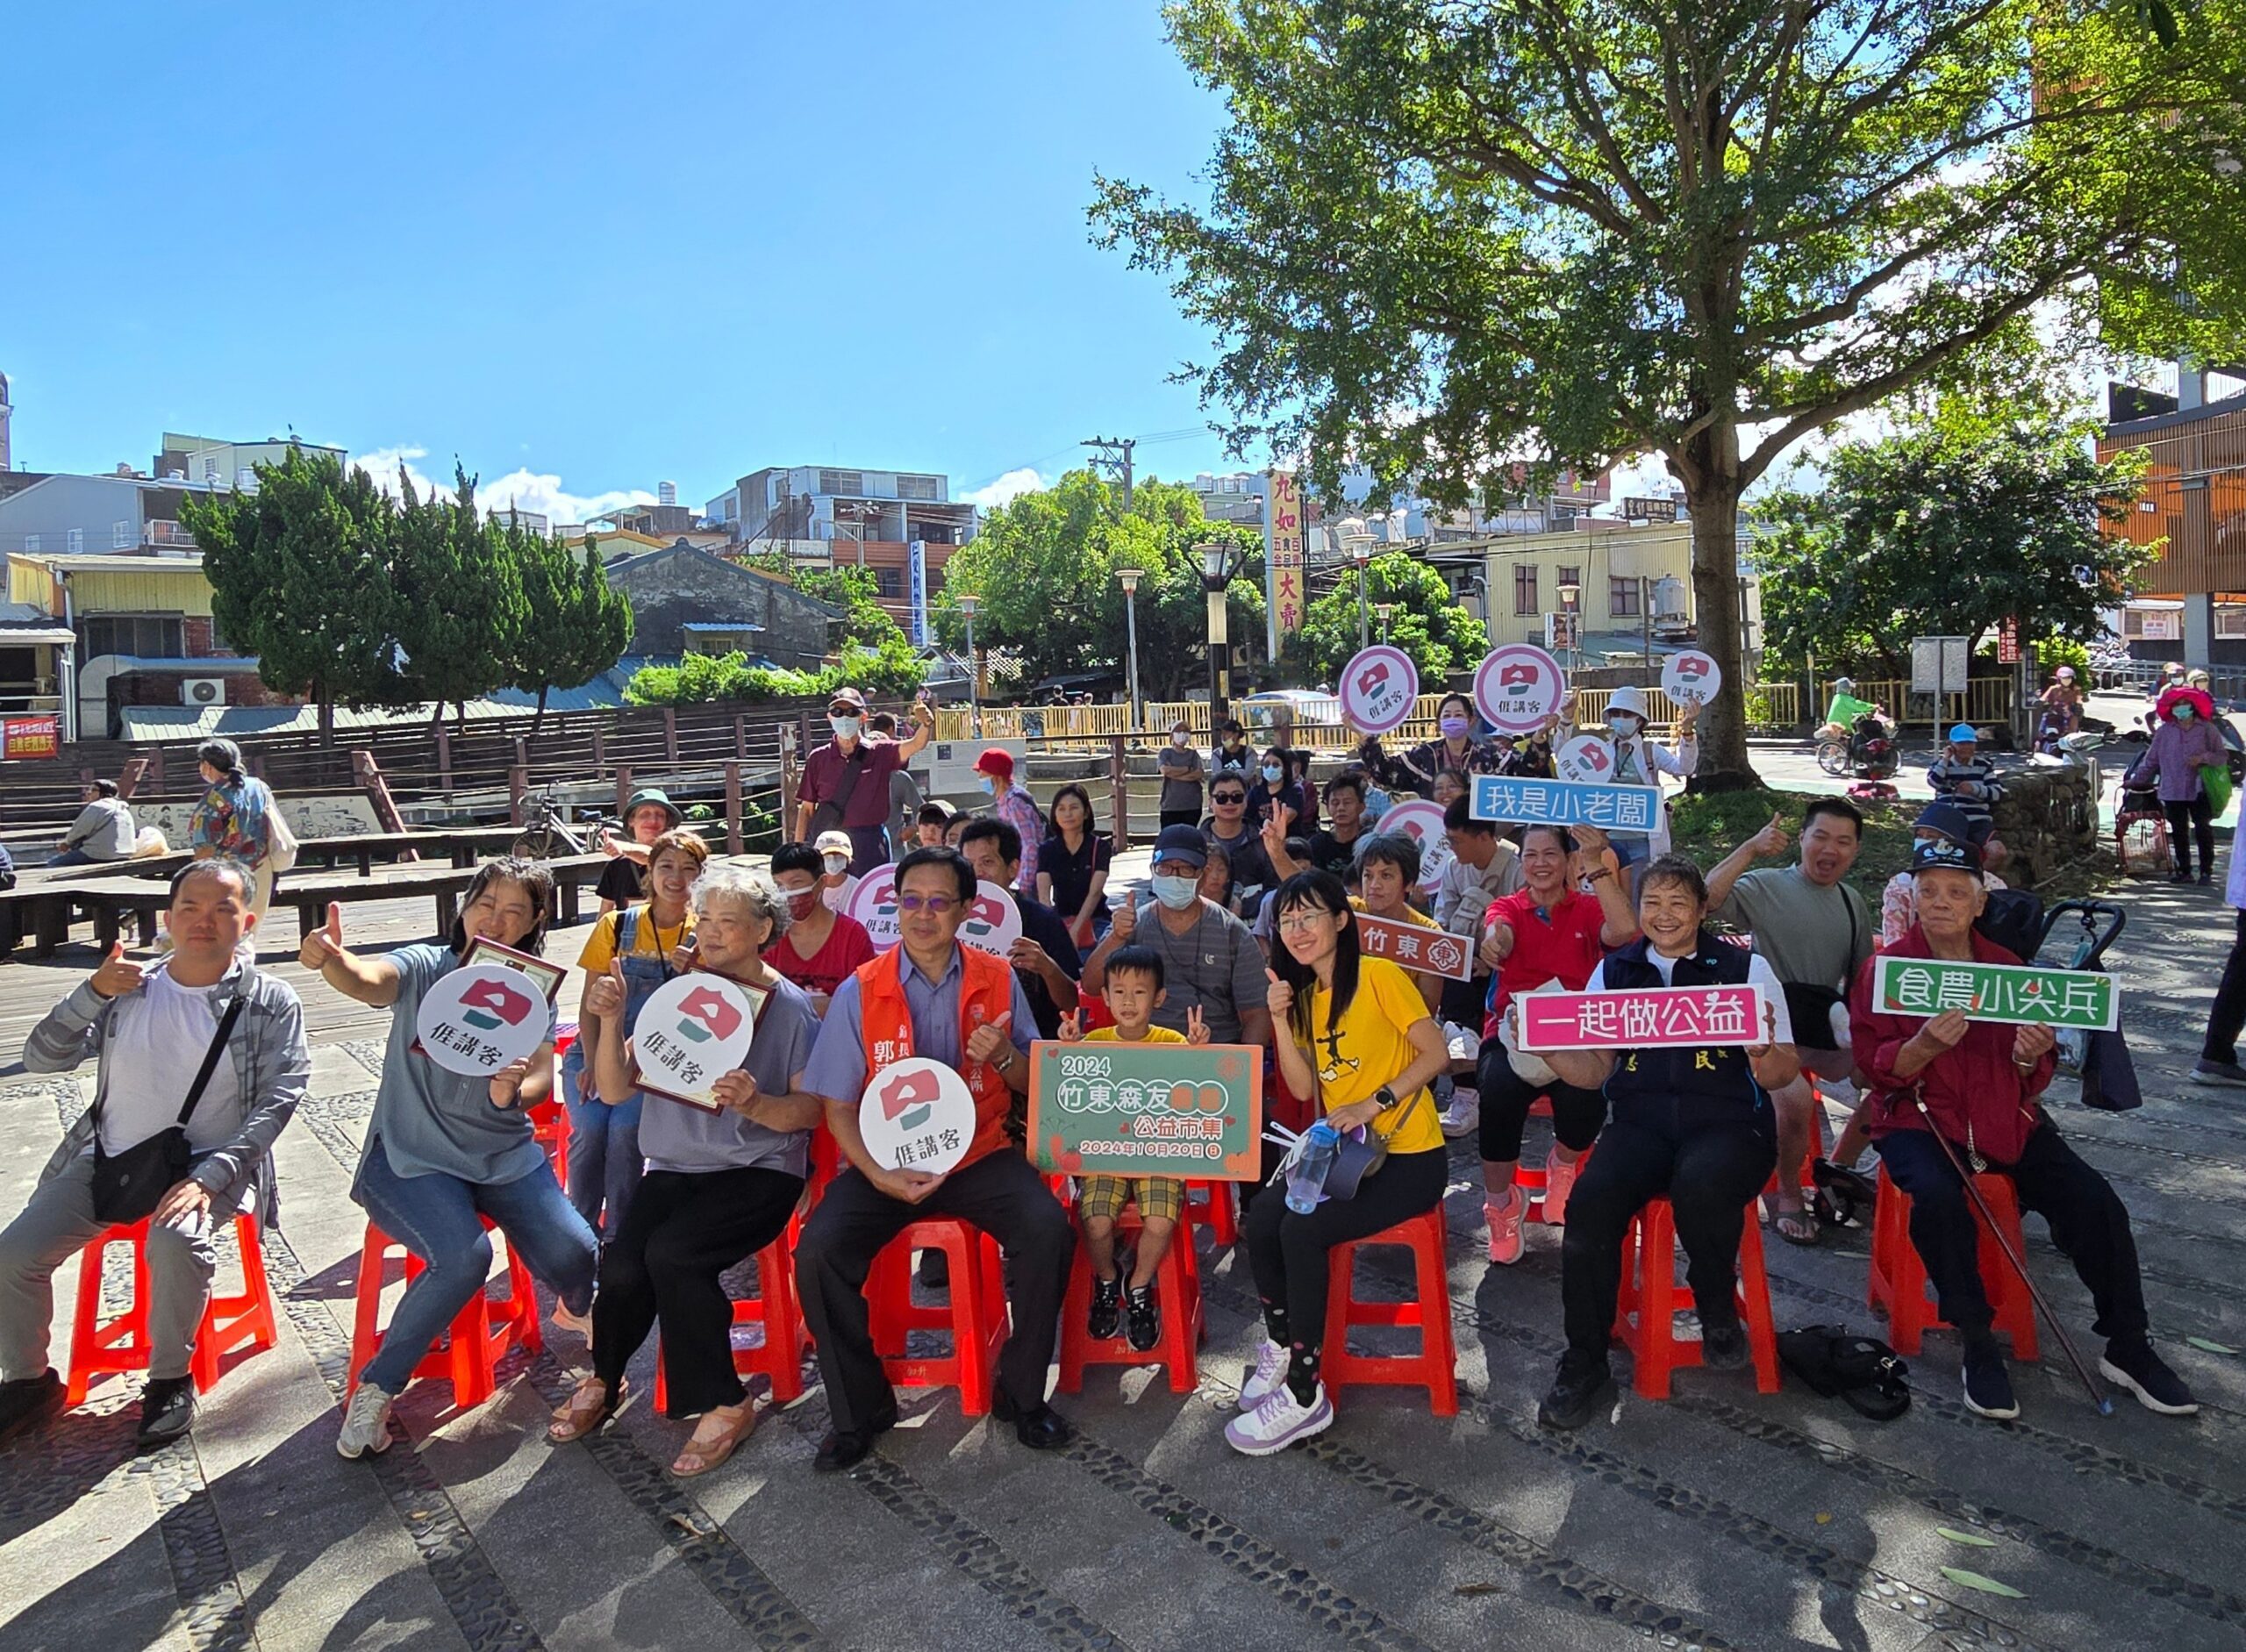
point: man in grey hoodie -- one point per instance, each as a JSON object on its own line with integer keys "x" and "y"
{"x": 149, "y": 1028}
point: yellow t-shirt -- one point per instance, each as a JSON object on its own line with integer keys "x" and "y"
{"x": 1371, "y": 1047}
{"x": 647, "y": 942}
{"x": 1411, "y": 915}
{"x": 1155, "y": 1035}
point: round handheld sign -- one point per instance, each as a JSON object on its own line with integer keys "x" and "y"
{"x": 1518, "y": 686}
{"x": 1586, "y": 758}
{"x": 994, "y": 922}
{"x": 1378, "y": 689}
{"x": 917, "y": 1115}
{"x": 1689, "y": 677}
{"x": 478, "y": 1020}
{"x": 1421, "y": 821}
{"x": 873, "y": 903}
{"x": 693, "y": 1028}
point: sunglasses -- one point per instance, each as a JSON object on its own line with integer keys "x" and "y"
{"x": 934, "y": 905}
{"x": 1227, "y": 796}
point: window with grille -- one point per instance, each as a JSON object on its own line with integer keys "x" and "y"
{"x": 120, "y": 536}
{"x": 74, "y": 540}
{"x": 852, "y": 482}
{"x": 1523, "y": 591}
{"x": 149, "y": 636}
{"x": 889, "y": 583}
{"x": 920, "y": 488}
{"x": 1622, "y": 599}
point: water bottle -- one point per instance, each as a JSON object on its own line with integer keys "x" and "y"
{"x": 1307, "y": 1180}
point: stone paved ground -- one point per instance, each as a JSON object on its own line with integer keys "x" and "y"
{"x": 1717, "y": 1518}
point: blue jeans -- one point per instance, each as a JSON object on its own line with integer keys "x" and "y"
{"x": 437, "y": 1218}
{"x": 72, "y": 857}
{"x": 604, "y": 1160}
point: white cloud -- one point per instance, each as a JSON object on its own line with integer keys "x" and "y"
{"x": 525, "y": 489}
{"x": 1012, "y": 485}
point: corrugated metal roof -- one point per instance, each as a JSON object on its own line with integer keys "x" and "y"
{"x": 176, "y": 722}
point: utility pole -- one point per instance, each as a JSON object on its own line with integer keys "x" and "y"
{"x": 1114, "y": 457}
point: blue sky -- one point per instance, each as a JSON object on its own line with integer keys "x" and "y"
{"x": 595, "y": 246}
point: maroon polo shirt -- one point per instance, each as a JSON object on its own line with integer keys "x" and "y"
{"x": 822, "y": 773}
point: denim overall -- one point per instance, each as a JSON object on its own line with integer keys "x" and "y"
{"x": 604, "y": 1162}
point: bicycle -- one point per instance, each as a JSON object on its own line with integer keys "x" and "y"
{"x": 547, "y": 834}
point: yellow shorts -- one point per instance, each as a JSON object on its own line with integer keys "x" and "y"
{"x": 1106, "y": 1196}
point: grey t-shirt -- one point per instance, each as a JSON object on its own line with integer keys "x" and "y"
{"x": 1215, "y": 967}
{"x": 1812, "y": 936}
{"x": 676, "y": 1135}
{"x": 1181, "y": 779}
{"x": 432, "y": 1121}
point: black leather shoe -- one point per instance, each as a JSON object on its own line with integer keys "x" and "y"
{"x": 845, "y": 1448}
{"x": 1723, "y": 1345}
{"x": 1040, "y": 1427}
{"x": 27, "y": 1399}
{"x": 167, "y": 1410}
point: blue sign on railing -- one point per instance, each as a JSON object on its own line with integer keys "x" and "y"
{"x": 1519, "y": 800}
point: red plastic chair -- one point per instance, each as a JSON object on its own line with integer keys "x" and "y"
{"x": 1177, "y": 1288}
{"x": 975, "y": 1314}
{"x": 99, "y": 1347}
{"x": 1210, "y": 1205}
{"x": 482, "y": 1332}
{"x": 778, "y": 1308}
{"x": 1898, "y": 1286}
{"x": 550, "y": 1127}
{"x": 1433, "y": 1366}
{"x": 1650, "y": 1296}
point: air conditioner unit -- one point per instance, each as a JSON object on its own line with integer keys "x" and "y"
{"x": 203, "y": 692}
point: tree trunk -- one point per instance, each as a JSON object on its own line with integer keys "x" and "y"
{"x": 539, "y": 716}
{"x": 1712, "y": 490}
{"x": 326, "y": 713}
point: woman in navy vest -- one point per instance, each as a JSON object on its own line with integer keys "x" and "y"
{"x": 1694, "y": 1123}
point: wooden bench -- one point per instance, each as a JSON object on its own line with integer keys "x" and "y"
{"x": 311, "y": 894}
{"x": 44, "y": 906}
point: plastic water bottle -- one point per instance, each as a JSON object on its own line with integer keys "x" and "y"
{"x": 1307, "y": 1180}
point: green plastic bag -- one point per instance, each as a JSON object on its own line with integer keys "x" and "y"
{"x": 2215, "y": 777}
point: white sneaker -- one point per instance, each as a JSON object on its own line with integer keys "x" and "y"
{"x": 1279, "y": 1421}
{"x": 1463, "y": 1116}
{"x": 1270, "y": 1369}
{"x": 1506, "y": 1242}
{"x": 1559, "y": 1181}
{"x": 365, "y": 1423}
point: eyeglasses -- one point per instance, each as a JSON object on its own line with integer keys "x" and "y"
{"x": 934, "y": 905}
{"x": 1221, "y": 797}
{"x": 1298, "y": 921}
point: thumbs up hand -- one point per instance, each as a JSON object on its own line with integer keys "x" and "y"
{"x": 323, "y": 944}
{"x": 118, "y": 973}
{"x": 606, "y": 994}
{"x": 1278, "y": 997}
{"x": 1772, "y": 839}
{"x": 990, "y": 1041}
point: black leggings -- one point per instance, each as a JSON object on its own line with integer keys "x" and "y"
{"x": 1506, "y": 1097}
{"x": 1288, "y": 1252}
{"x": 2199, "y": 819}
{"x": 2228, "y": 1016}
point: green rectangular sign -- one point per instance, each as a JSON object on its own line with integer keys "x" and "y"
{"x": 1116, "y": 1109}
{"x": 2016, "y": 994}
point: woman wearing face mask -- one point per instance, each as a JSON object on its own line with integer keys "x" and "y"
{"x": 1181, "y": 778}
{"x": 1276, "y": 787}
{"x": 2184, "y": 742}
{"x": 1639, "y": 760}
{"x": 1454, "y": 747}
{"x": 820, "y": 946}
{"x": 604, "y": 1159}
{"x": 1013, "y": 804}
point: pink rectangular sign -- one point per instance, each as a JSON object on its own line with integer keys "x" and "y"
{"x": 1649, "y": 1017}
{"x": 1430, "y": 951}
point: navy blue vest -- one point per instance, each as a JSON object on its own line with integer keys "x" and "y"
{"x": 1681, "y": 1087}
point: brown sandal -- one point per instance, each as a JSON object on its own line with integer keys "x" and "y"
{"x": 706, "y": 1455}
{"x": 593, "y": 1404}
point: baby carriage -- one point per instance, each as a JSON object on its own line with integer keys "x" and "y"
{"x": 2141, "y": 833}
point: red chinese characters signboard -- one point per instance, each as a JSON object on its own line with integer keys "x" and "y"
{"x": 1637, "y": 1019}
{"x": 1286, "y": 596}
{"x": 1429, "y": 951}
{"x": 31, "y": 737}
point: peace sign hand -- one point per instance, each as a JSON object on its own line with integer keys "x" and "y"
{"x": 1196, "y": 1030}
{"x": 1071, "y": 1030}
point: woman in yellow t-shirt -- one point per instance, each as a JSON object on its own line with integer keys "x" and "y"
{"x": 1355, "y": 1034}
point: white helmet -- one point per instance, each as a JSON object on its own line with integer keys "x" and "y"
{"x": 1627, "y": 699}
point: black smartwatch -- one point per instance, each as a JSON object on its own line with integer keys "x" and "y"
{"x": 1385, "y": 1097}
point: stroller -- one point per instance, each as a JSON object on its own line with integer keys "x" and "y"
{"x": 2141, "y": 833}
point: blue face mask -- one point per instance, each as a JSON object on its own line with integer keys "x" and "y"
{"x": 1177, "y": 893}
{"x": 2186, "y": 713}
{"x": 990, "y": 786}
{"x": 1272, "y": 776}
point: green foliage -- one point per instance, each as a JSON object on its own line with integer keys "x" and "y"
{"x": 1044, "y": 566}
{"x": 461, "y": 609}
{"x": 1440, "y": 636}
{"x": 2053, "y": 652}
{"x": 1443, "y": 237}
{"x": 892, "y": 670}
{"x": 1936, "y": 533}
{"x": 574, "y": 626}
{"x": 299, "y": 577}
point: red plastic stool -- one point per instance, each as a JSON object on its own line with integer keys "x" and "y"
{"x": 550, "y": 1127}
{"x": 1433, "y": 1366}
{"x": 1210, "y": 1204}
{"x": 1650, "y": 1291}
{"x": 1899, "y": 1284}
{"x": 482, "y": 1333}
{"x": 776, "y": 1307}
{"x": 974, "y": 1316}
{"x": 99, "y": 1347}
{"x": 1177, "y": 1288}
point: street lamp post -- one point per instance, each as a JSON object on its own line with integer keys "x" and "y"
{"x": 1356, "y": 540}
{"x": 974, "y": 705}
{"x": 1217, "y": 569}
{"x": 1383, "y": 610}
{"x": 1130, "y": 577}
{"x": 1570, "y": 595}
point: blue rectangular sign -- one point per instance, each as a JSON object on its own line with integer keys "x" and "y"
{"x": 1517, "y": 799}
{"x": 916, "y": 565}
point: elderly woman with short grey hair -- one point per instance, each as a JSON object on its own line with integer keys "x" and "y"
{"x": 235, "y": 817}
{"x": 719, "y": 1186}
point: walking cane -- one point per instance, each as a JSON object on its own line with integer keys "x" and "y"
{"x": 2099, "y": 1396}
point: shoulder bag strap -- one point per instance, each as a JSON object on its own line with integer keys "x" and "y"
{"x": 210, "y": 1062}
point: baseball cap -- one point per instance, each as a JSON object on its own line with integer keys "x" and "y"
{"x": 850, "y": 697}
{"x": 1945, "y": 855}
{"x": 1947, "y": 818}
{"x": 833, "y": 843}
{"x": 1182, "y": 843}
{"x": 1964, "y": 734}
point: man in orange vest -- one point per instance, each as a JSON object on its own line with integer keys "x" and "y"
{"x": 930, "y": 997}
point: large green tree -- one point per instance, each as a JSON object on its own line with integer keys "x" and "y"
{"x": 1947, "y": 529}
{"x": 461, "y": 609}
{"x": 1445, "y": 235}
{"x": 1424, "y": 620}
{"x": 574, "y": 626}
{"x": 300, "y": 572}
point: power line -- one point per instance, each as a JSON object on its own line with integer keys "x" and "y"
{"x": 1114, "y": 457}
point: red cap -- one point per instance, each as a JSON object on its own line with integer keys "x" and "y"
{"x": 997, "y": 762}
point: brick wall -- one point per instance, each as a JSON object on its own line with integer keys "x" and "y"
{"x": 670, "y": 592}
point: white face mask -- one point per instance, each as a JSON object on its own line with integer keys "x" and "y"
{"x": 1625, "y": 724}
{"x": 1177, "y": 893}
{"x": 836, "y": 863}
{"x": 1178, "y": 738}
{"x": 845, "y": 727}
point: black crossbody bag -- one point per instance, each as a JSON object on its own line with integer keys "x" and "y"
{"x": 129, "y": 1186}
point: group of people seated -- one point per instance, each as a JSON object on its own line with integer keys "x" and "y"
{"x": 663, "y": 1198}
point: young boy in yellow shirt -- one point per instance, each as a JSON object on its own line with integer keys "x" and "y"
{"x": 1133, "y": 994}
